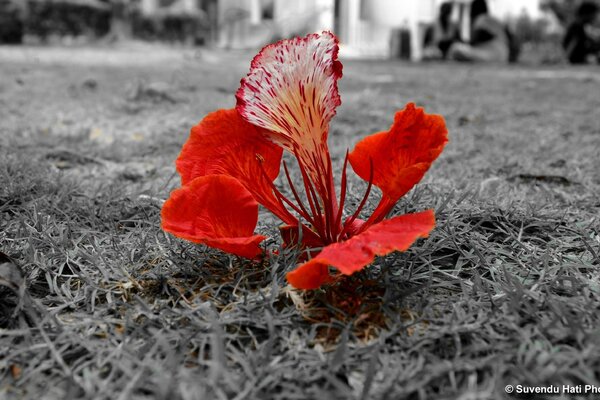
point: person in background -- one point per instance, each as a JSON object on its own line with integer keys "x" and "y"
{"x": 490, "y": 41}
{"x": 581, "y": 42}
{"x": 441, "y": 35}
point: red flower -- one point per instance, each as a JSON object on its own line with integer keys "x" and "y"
{"x": 230, "y": 162}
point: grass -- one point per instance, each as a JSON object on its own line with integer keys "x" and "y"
{"x": 505, "y": 290}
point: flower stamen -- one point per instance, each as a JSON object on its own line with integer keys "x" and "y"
{"x": 343, "y": 188}
{"x": 305, "y": 214}
{"x": 283, "y": 201}
{"x": 313, "y": 200}
{"x": 362, "y": 204}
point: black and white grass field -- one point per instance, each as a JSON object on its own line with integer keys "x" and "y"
{"x": 97, "y": 302}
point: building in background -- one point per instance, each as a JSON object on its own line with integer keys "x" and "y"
{"x": 366, "y": 28}
{"x": 509, "y": 9}
{"x": 251, "y": 23}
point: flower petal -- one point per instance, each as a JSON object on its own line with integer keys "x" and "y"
{"x": 310, "y": 275}
{"x": 395, "y": 234}
{"x": 291, "y": 89}
{"x": 224, "y": 143}
{"x": 215, "y": 210}
{"x": 401, "y": 156}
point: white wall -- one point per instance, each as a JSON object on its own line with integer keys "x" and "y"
{"x": 296, "y": 15}
{"x": 513, "y": 8}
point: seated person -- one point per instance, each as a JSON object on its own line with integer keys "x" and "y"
{"x": 440, "y": 36}
{"x": 581, "y": 42}
{"x": 490, "y": 41}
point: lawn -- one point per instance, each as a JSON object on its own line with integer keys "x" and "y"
{"x": 105, "y": 305}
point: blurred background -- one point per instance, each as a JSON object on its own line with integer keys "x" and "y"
{"x": 366, "y": 28}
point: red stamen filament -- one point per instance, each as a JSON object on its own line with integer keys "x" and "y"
{"x": 305, "y": 214}
{"x": 343, "y": 188}
{"x": 313, "y": 200}
{"x": 362, "y": 204}
{"x": 280, "y": 197}
{"x": 321, "y": 217}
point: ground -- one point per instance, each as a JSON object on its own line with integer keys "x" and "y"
{"x": 505, "y": 291}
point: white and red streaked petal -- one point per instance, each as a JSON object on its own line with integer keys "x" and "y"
{"x": 291, "y": 90}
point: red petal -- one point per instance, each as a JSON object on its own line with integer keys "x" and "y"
{"x": 215, "y": 210}
{"x": 401, "y": 156}
{"x": 309, "y": 276}
{"x": 224, "y": 143}
{"x": 395, "y": 234}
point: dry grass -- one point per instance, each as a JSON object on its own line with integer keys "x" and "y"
{"x": 505, "y": 291}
